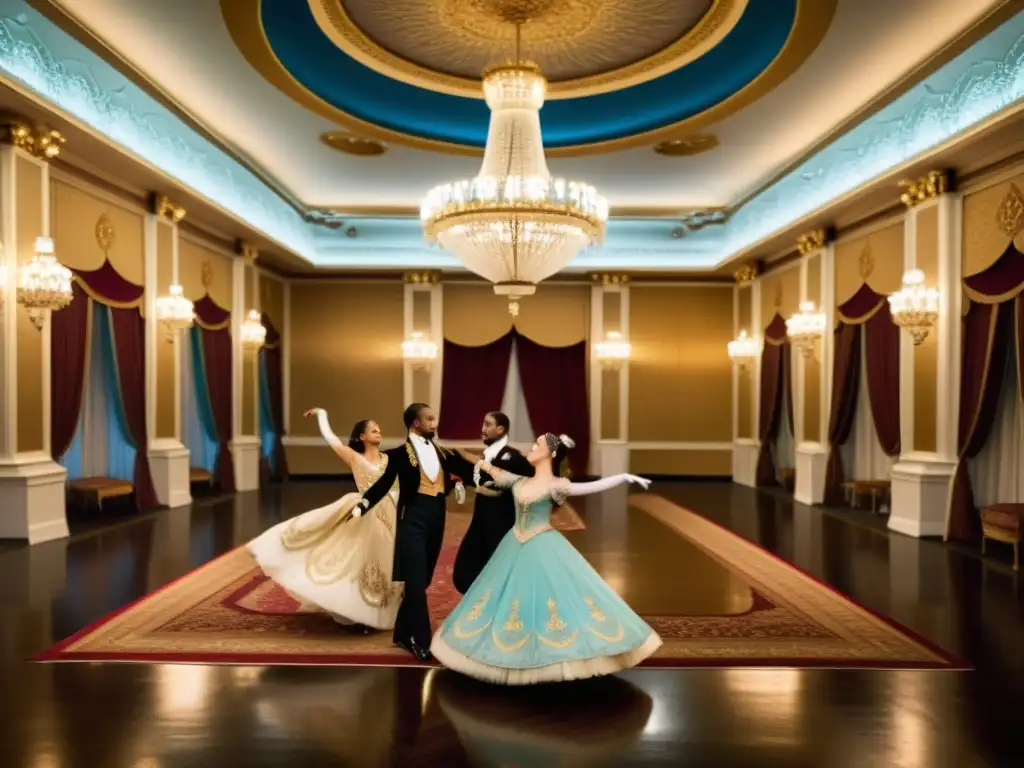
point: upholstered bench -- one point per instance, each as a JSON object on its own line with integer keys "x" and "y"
{"x": 199, "y": 476}
{"x": 1003, "y": 522}
{"x": 96, "y": 490}
{"x": 876, "y": 490}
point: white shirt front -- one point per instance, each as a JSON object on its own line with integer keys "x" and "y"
{"x": 491, "y": 451}
{"x": 430, "y": 462}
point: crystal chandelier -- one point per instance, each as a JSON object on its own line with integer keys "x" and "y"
{"x": 174, "y": 312}
{"x": 254, "y": 333}
{"x": 743, "y": 350}
{"x": 514, "y": 224}
{"x": 805, "y": 328}
{"x": 419, "y": 350}
{"x": 44, "y": 284}
{"x": 915, "y": 306}
{"x": 614, "y": 350}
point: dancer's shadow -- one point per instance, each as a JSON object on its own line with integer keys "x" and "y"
{"x": 589, "y": 722}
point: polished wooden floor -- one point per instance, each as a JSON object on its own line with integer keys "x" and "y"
{"x": 99, "y": 715}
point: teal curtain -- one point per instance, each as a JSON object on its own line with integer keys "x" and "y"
{"x": 200, "y": 430}
{"x": 121, "y": 449}
{"x": 268, "y": 430}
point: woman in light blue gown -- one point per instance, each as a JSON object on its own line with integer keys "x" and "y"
{"x": 538, "y": 612}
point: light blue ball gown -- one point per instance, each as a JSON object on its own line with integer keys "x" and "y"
{"x": 538, "y": 612}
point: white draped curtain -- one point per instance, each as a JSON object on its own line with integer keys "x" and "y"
{"x": 997, "y": 473}
{"x": 513, "y": 405}
{"x": 202, "y": 448}
{"x": 863, "y": 453}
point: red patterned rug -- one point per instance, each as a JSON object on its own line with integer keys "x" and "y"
{"x": 228, "y": 612}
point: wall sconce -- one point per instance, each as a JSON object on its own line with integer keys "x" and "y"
{"x": 420, "y": 351}
{"x": 174, "y": 313}
{"x": 254, "y": 333}
{"x": 44, "y": 284}
{"x": 613, "y": 351}
{"x": 743, "y": 350}
{"x": 805, "y": 328}
{"x": 915, "y": 307}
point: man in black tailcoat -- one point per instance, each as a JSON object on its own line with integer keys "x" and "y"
{"x": 494, "y": 512}
{"x": 424, "y": 471}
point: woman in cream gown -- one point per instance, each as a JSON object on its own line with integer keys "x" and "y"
{"x": 333, "y": 558}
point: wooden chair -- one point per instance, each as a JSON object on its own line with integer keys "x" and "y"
{"x": 1003, "y": 522}
{"x": 876, "y": 490}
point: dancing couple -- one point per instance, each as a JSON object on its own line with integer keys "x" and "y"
{"x": 533, "y": 609}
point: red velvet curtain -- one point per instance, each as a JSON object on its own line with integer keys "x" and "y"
{"x": 773, "y": 358}
{"x": 70, "y": 330}
{"x": 992, "y": 330}
{"x": 472, "y": 384}
{"x": 214, "y": 322}
{"x": 273, "y": 366}
{"x": 555, "y": 388}
{"x": 845, "y": 387}
{"x": 787, "y": 367}
{"x": 882, "y": 355}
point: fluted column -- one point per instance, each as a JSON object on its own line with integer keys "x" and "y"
{"x": 245, "y": 447}
{"x": 609, "y": 388}
{"x": 930, "y": 373}
{"x": 423, "y": 314}
{"x": 168, "y": 456}
{"x": 32, "y": 504}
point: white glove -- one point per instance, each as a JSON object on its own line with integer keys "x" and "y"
{"x": 360, "y": 507}
{"x": 643, "y": 482}
{"x": 460, "y": 493}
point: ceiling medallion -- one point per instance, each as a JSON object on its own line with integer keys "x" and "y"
{"x": 588, "y": 47}
{"x": 350, "y": 144}
{"x": 514, "y": 225}
{"x": 691, "y": 145}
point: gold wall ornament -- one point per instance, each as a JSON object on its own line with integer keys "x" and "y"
{"x": 778, "y": 295}
{"x": 697, "y": 220}
{"x": 687, "y": 147}
{"x": 866, "y": 262}
{"x": 332, "y": 220}
{"x": 206, "y": 275}
{"x": 928, "y": 187}
{"x": 745, "y": 274}
{"x": 431, "y": 277}
{"x": 165, "y": 208}
{"x": 1010, "y": 213}
{"x": 104, "y": 233}
{"x": 351, "y": 144}
{"x": 603, "y": 278}
{"x": 40, "y": 141}
{"x": 812, "y": 241}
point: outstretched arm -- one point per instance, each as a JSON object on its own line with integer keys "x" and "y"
{"x": 347, "y": 454}
{"x": 567, "y": 488}
{"x": 458, "y": 465}
{"x": 502, "y": 479}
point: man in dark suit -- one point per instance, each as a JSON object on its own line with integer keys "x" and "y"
{"x": 424, "y": 472}
{"x": 494, "y": 512}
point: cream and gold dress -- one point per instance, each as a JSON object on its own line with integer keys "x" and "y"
{"x": 327, "y": 559}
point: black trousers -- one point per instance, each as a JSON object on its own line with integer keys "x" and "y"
{"x": 493, "y": 517}
{"x": 419, "y": 537}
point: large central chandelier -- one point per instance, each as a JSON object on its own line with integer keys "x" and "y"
{"x": 514, "y": 224}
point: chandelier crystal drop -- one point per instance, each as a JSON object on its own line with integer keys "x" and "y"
{"x": 514, "y": 225}
{"x": 174, "y": 312}
{"x": 743, "y": 350}
{"x": 805, "y": 328}
{"x": 419, "y": 350}
{"x": 44, "y": 284}
{"x": 915, "y": 306}
{"x": 614, "y": 350}
{"x": 254, "y": 333}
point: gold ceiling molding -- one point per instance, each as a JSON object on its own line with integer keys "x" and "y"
{"x": 697, "y": 144}
{"x": 165, "y": 208}
{"x": 745, "y": 274}
{"x": 604, "y": 278}
{"x": 928, "y": 187}
{"x": 813, "y": 17}
{"x": 1010, "y": 213}
{"x": 39, "y": 141}
{"x": 428, "y": 277}
{"x": 350, "y": 144}
{"x": 815, "y": 240}
{"x": 557, "y": 32}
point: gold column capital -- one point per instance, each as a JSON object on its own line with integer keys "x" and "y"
{"x": 428, "y": 277}
{"x": 607, "y": 279}
{"x": 248, "y": 252}
{"x": 165, "y": 208}
{"x": 816, "y": 239}
{"x": 39, "y": 141}
{"x": 927, "y": 187}
{"x": 746, "y": 273}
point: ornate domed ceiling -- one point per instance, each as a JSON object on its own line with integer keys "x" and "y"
{"x": 621, "y": 74}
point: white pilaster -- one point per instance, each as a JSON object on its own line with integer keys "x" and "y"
{"x": 596, "y": 377}
{"x": 245, "y": 449}
{"x": 920, "y": 479}
{"x": 32, "y": 490}
{"x": 286, "y": 357}
{"x": 608, "y": 457}
{"x": 812, "y": 455}
{"x": 435, "y": 332}
{"x": 746, "y": 449}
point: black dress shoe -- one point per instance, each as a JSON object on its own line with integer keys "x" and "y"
{"x": 421, "y": 653}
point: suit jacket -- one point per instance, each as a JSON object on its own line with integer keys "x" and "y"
{"x": 404, "y": 466}
{"x": 509, "y": 460}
